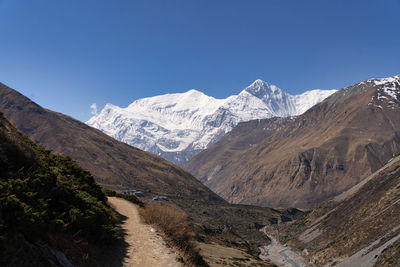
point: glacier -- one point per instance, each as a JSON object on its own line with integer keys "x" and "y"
{"x": 178, "y": 126}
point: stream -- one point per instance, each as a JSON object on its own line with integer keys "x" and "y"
{"x": 277, "y": 253}
{"x": 287, "y": 258}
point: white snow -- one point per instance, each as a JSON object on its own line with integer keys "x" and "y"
{"x": 388, "y": 89}
{"x": 308, "y": 99}
{"x": 392, "y": 92}
{"x": 386, "y": 80}
{"x": 188, "y": 122}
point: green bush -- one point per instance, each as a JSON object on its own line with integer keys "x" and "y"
{"x": 131, "y": 198}
{"x": 108, "y": 192}
{"x": 44, "y": 194}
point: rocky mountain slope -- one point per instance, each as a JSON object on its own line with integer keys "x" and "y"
{"x": 178, "y": 126}
{"x": 233, "y": 145}
{"x": 323, "y": 152}
{"x": 362, "y": 229}
{"x": 112, "y": 163}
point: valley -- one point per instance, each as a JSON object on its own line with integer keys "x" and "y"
{"x": 336, "y": 162}
{"x": 118, "y": 166}
{"x": 199, "y": 133}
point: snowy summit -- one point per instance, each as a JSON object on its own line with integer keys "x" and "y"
{"x": 178, "y": 126}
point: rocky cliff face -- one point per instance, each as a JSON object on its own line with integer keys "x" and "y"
{"x": 323, "y": 152}
{"x": 178, "y": 126}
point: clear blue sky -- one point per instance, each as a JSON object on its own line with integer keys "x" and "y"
{"x": 66, "y": 55}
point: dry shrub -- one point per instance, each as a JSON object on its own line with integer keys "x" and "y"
{"x": 172, "y": 221}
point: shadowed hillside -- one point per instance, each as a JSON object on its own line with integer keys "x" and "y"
{"x": 51, "y": 211}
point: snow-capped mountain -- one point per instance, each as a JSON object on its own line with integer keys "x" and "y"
{"x": 178, "y": 126}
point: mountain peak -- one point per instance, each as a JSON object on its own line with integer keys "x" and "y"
{"x": 110, "y": 106}
{"x": 258, "y": 82}
{"x": 260, "y": 88}
{"x": 194, "y": 92}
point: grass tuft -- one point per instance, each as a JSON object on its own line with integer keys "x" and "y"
{"x": 172, "y": 221}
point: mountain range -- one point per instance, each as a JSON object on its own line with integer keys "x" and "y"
{"x": 112, "y": 163}
{"x": 178, "y": 126}
{"x": 319, "y": 154}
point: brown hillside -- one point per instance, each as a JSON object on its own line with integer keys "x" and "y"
{"x": 112, "y": 163}
{"x": 234, "y": 144}
{"x": 364, "y": 226}
{"x": 325, "y": 151}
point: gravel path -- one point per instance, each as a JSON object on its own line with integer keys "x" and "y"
{"x": 146, "y": 248}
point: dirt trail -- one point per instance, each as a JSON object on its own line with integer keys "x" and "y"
{"x": 146, "y": 248}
